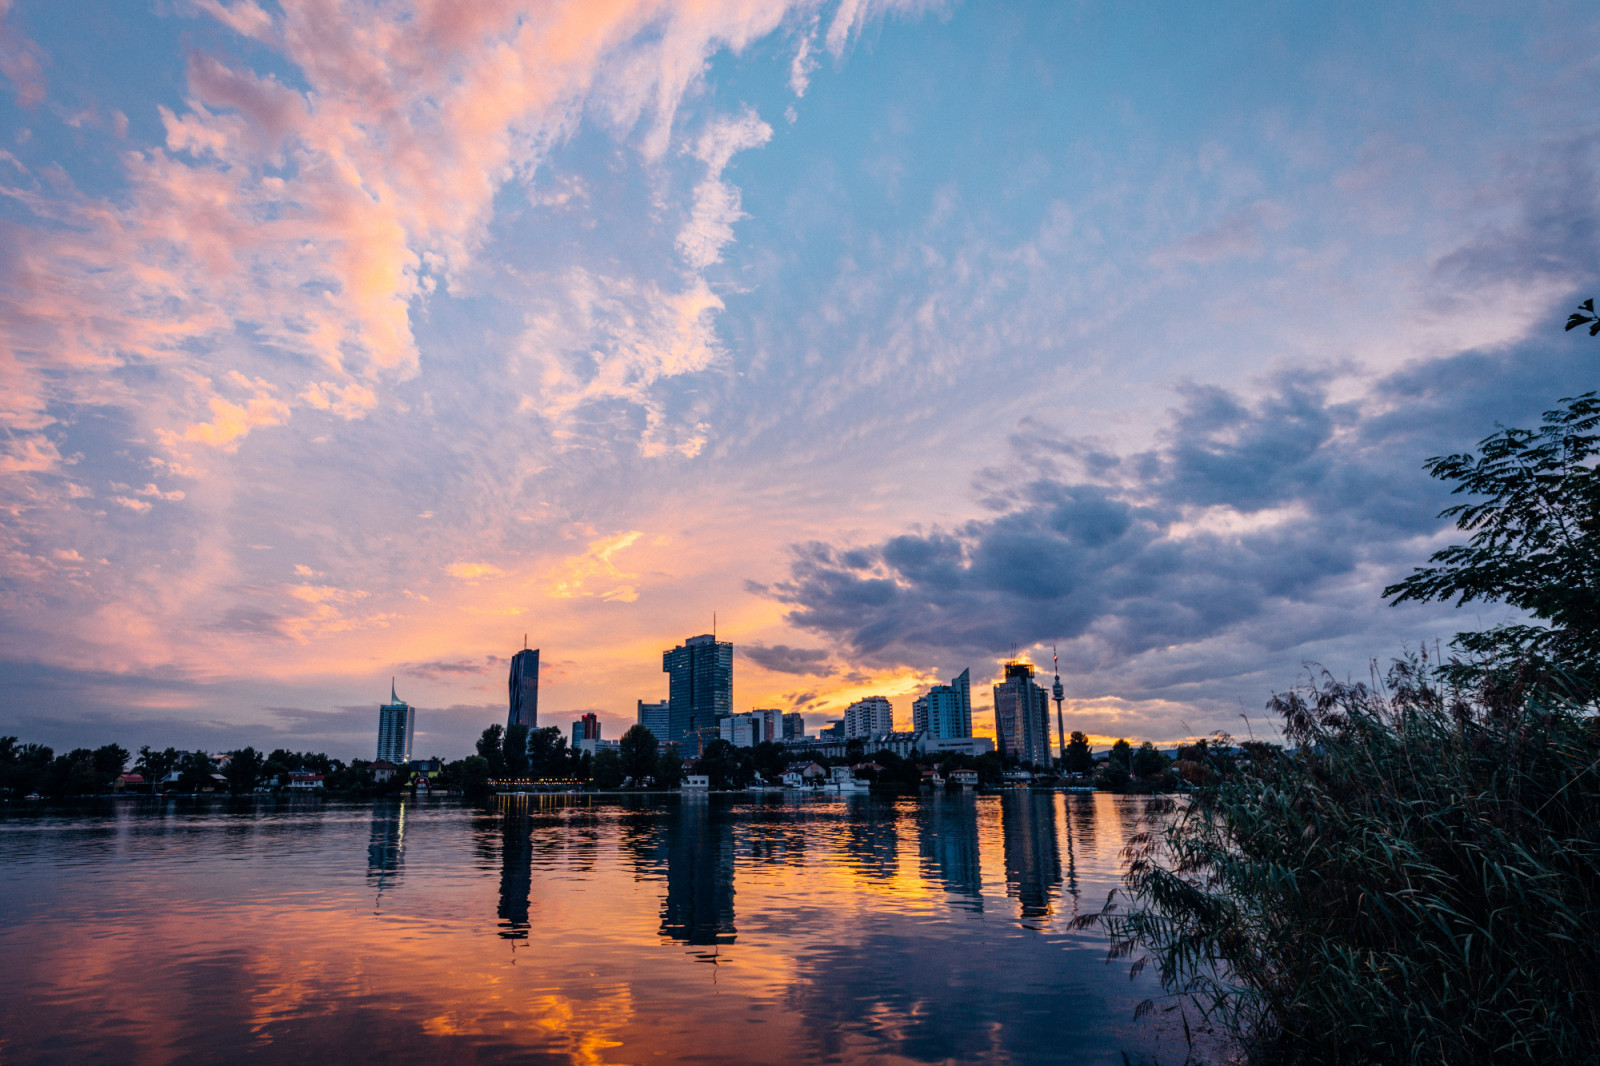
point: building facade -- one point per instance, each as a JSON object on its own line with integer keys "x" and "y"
{"x": 870, "y": 717}
{"x": 396, "y": 722}
{"x": 653, "y": 716}
{"x": 1022, "y": 716}
{"x": 744, "y": 730}
{"x": 794, "y": 726}
{"x": 699, "y": 686}
{"x": 524, "y": 689}
{"x": 946, "y": 710}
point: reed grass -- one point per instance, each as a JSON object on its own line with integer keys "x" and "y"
{"x": 1416, "y": 880}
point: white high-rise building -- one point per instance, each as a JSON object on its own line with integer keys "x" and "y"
{"x": 396, "y": 721}
{"x": 871, "y": 717}
{"x": 743, "y": 730}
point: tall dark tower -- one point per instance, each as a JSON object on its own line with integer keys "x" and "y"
{"x": 524, "y": 688}
{"x": 1057, "y": 693}
{"x": 700, "y": 686}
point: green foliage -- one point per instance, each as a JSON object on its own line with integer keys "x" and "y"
{"x": 515, "y": 749}
{"x": 469, "y": 775}
{"x": 669, "y": 767}
{"x": 1418, "y": 882}
{"x": 721, "y": 763}
{"x": 548, "y": 756}
{"x": 1585, "y": 314}
{"x": 194, "y": 772}
{"x": 1149, "y": 763}
{"x": 244, "y": 770}
{"x": 154, "y": 765}
{"x": 491, "y": 750}
{"x": 606, "y": 769}
{"x": 638, "y": 752}
{"x": 109, "y": 761}
{"x": 1535, "y": 544}
{"x": 1079, "y": 757}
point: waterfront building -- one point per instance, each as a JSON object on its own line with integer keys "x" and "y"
{"x": 743, "y": 730}
{"x": 700, "y": 685}
{"x": 868, "y": 717}
{"x": 1022, "y": 715}
{"x": 586, "y": 733}
{"x": 653, "y": 716}
{"x": 794, "y": 726}
{"x": 771, "y": 724}
{"x": 396, "y": 722}
{"x": 524, "y": 688}
{"x": 947, "y": 709}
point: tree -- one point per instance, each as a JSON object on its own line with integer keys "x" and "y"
{"x": 156, "y": 765}
{"x": 547, "y": 754}
{"x": 194, "y": 772}
{"x": 514, "y": 747}
{"x": 720, "y": 763}
{"x": 669, "y": 767}
{"x": 638, "y": 753}
{"x": 1535, "y": 544}
{"x": 470, "y": 775}
{"x": 110, "y": 760}
{"x": 606, "y": 770}
{"x": 1148, "y": 762}
{"x": 244, "y": 770}
{"x": 1079, "y": 757}
{"x": 491, "y": 752}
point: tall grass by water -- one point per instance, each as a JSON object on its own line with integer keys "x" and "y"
{"x": 1417, "y": 879}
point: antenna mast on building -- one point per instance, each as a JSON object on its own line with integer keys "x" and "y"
{"x": 1057, "y": 692}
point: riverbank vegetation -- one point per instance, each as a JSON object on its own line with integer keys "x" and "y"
{"x": 1416, "y": 878}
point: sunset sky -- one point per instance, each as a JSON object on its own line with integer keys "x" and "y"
{"x": 345, "y": 339}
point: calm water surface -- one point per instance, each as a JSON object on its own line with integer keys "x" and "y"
{"x": 569, "y": 929}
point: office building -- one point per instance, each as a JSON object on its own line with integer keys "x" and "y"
{"x": 834, "y": 730}
{"x": 870, "y": 717}
{"x": 1022, "y": 716}
{"x": 744, "y": 730}
{"x": 771, "y": 724}
{"x": 396, "y": 721}
{"x": 524, "y": 689}
{"x": 653, "y": 716}
{"x": 946, "y": 710}
{"x": 586, "y": 732}
{"x": 794, "y": 726}
{"x": 699, "y": 686}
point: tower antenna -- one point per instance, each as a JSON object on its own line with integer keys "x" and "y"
{"x": 524, "y": 642}
{"x": 1057, "y": 692}
{"x": 713, "y": 625}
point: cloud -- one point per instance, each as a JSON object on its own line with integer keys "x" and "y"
{"x": 444, "y": 669}
{"x": 473, "y": 571}
{"x": 1258, "y": 531}
{"x": 21, "y": 61}
{"x": 786, "y": 660}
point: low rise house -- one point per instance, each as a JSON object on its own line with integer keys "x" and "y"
{"x": 383, "y": 771}
{"x": 700, "y": 782}
{"x": 964, "y": 778}
{"x": 304, "y": 780}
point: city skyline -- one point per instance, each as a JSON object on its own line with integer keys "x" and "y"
{"x": 903, "y": 335}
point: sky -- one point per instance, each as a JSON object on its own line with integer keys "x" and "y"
{"x": 344, "y": 341}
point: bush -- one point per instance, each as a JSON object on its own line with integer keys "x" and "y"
{"x": 1418, "y": 882}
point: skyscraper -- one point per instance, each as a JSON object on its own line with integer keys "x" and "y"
{"x": 794, "y": 726}
{"x": 870, "y": 717}
{"x": 1022, "y": 716}
{"x": 946, "y": 711}
{"x": 524, "y": 688}
{"x": 653, "y": 716}
{"x": 396, "y": 720}
{"x": 700, "y": 685}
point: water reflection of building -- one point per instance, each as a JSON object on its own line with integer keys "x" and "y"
{"x": 947, "y": 847}
{"x": 872, "y": 836}
{"x": 1033, "y": 857}
{"x": 386, "y": 843}
{"x": 516, "y": 868}
{"x": 698, "y": 906}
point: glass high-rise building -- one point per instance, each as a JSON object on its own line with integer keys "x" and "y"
{"x": 946, "y": 711}
{"x": 654, "y": 717}
{"x": 699, "y": 686}
{"x": 396, "y": 721}
{"x": 524, "y": 689}
{"x": 1022, "y": 716}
